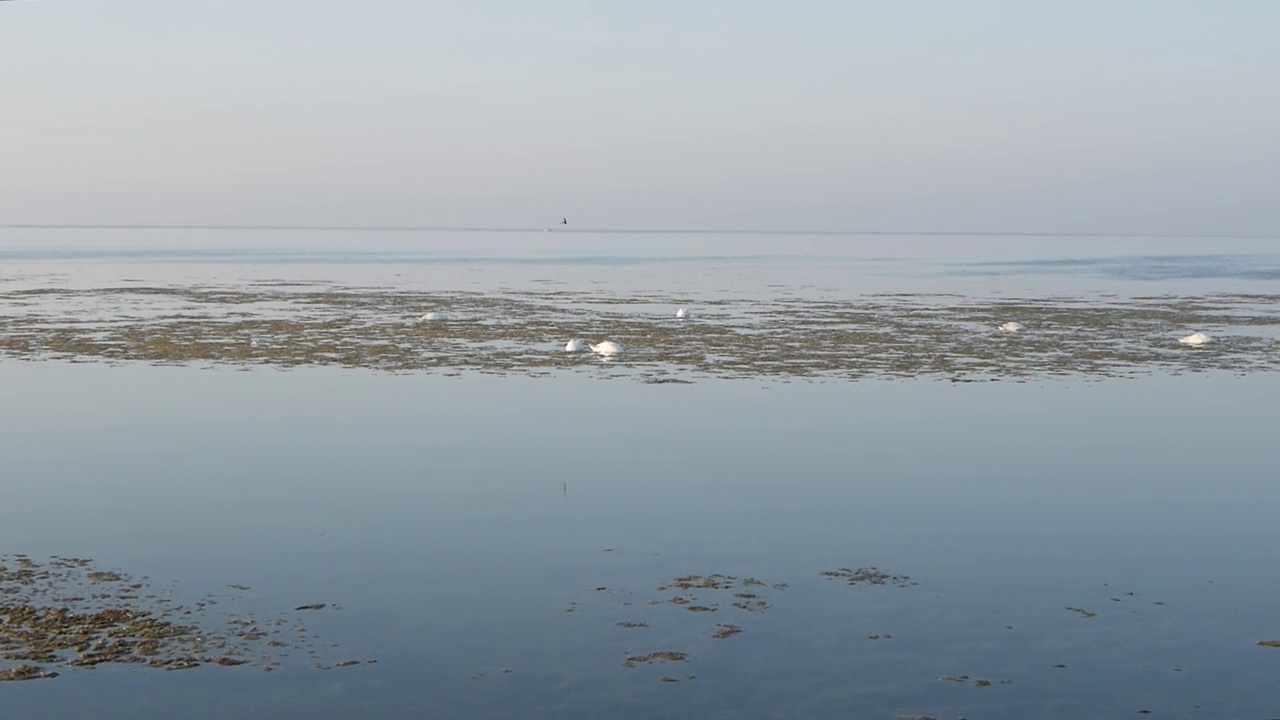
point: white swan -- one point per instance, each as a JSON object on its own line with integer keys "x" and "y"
{"x": 682, "y": 313}
{"x": 434, "y": 317}
{"x": 608, "y": 347}
{"x": 1011, "y": 327}
{"x": 575, "y": 345}
{"x": 1196, "y": 339}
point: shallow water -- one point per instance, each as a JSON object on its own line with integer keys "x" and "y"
{"x": 799, "y": 307}
{"x": 463, "y": 525}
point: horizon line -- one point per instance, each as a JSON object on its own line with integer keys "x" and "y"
{"x": 629, "y": 231}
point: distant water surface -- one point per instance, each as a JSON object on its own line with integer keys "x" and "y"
{"x": 707, "y": 265}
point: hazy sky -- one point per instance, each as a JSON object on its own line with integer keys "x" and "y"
{"x": 1134, "y": 116}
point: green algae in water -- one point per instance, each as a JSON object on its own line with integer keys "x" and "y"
{"x": 885, "y": 335}
{"x": 66, "y": 613}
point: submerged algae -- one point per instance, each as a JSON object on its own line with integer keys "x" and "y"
{"x": 65, "y": 612}
{"x": 885, "y": 335}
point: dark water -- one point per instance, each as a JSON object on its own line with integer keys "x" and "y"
{"x": 455, "y": 520}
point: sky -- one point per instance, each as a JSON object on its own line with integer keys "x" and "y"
{"x": 1146, "y": 116}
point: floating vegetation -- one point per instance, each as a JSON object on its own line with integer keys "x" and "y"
{"x": 1086, "y": 614}
{"x": 660, "y": 656}
{"x": 25, "y": 672}
{"x": 1269, "y": 643}
{"x": 750, "y": 602}
{"x": 977, "y": 682}
{"x": 880, "y": 335}
{"x": 696, "y": 585}
{"x": 65, "y": 612}
{"x": 710, "y": 593}
{"x": 110, "y": 635}
{"x": 726, "y": 630}
{"x": 869, "y": 576}
{"x": 691, "y": 582}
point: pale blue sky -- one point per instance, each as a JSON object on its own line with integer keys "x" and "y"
{"x": 1138, "y": 116}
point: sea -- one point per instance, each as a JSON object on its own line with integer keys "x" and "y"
{"x": 580, "y": 543}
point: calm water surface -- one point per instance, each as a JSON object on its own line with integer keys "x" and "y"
{"x": 703, "y": 267}
{"x": 455, "y": 520}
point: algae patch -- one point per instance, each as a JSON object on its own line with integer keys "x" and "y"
{"x": 875, "y": 336}
{"x": 868, "y": 576}
{"x": 669, "y": 656}
{"x": 64, "y": 612}
{"x": 25, "y": 672}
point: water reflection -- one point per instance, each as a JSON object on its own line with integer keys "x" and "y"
{"x": 427, "y": 508}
